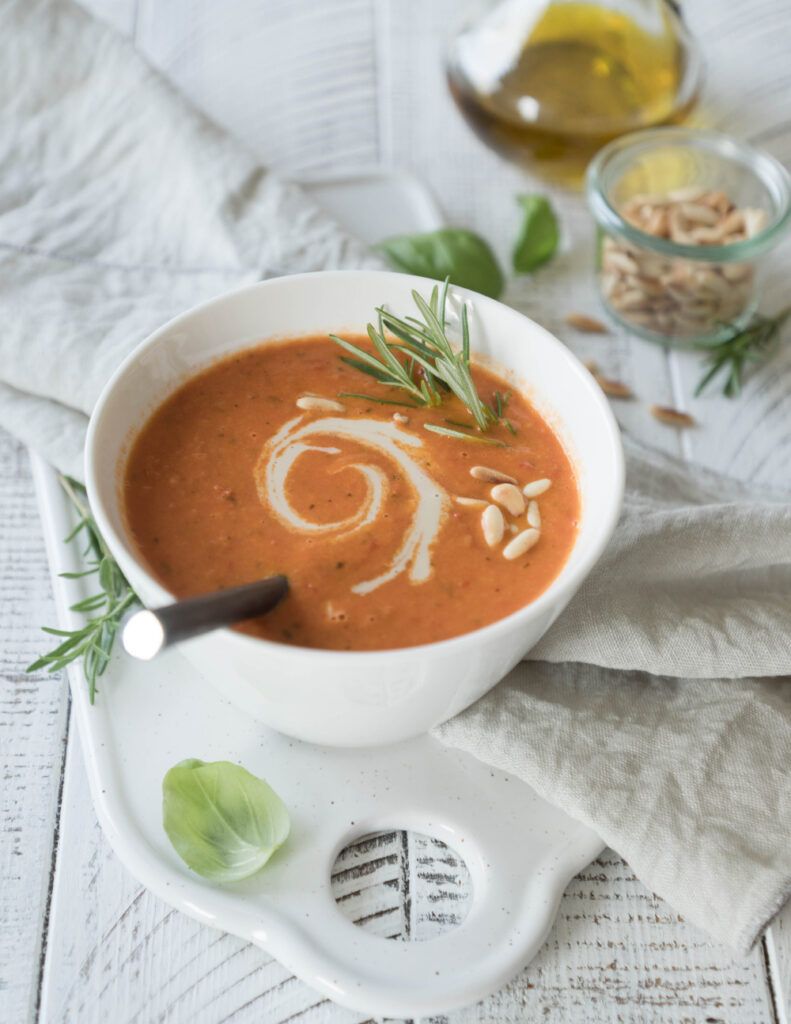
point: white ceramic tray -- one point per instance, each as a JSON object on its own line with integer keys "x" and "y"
{"x": 521, "y": 851}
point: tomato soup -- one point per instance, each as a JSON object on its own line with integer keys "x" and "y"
{"x": 390, "y": 535}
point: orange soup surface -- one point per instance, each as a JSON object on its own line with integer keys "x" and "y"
{"x": 230, "y": 480}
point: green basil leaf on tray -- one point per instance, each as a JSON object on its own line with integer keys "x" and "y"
{"x": 538, "y": 235}
{"x": 224, "y": 823}
{"x": 454, "y": 253}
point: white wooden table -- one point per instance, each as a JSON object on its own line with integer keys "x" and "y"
{"x": 357, "y": 85}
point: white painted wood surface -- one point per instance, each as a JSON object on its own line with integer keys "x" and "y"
{"x": 80, "y": 940}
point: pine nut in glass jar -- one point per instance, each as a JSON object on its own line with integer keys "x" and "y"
{"x": 686, "y": 220}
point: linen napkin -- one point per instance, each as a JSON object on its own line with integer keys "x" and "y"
{"x": 120, "y": 206}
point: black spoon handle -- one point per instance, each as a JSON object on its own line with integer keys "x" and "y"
{"x": 147, "y": 632}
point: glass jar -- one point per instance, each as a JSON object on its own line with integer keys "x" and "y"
{"x": 686, "y": 220}
{"x": 549, "y": 82}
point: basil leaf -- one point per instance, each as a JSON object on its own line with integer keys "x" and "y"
{"x": 224, "y": 823}
{"x": 538, "y": 236}
{"x": 456, "y": 253}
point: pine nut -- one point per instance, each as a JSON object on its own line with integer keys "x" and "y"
{"x": 733, "y": 222}
{"x": 754, "y": 221}
{"x": 678, "y": 228}
{"x": 493, "y": 525}
{"x": 521, "y": 544}
{"x": 614, "y": 388}
{"x": 708, "y": 236}
{"x": 312, "y": 403}
{"x": 657, "y": 224}
{"x": 699, "y": 214}
{"x": 633, "y": 299}
{"x": 533, "y": 515}
{"x": 609, "y": 283}
{"x": 735, "y": 272}
{"x": 649, "y": 285}
{"x": 470, "y": 502}
{"x": 620, "y": 261}
{"x": 717, "y": 201}
{"x": 537, "y": 487}
{"x": 510, "y": 497}
{"x": 586, "y": 324}
{"x": 399, "y": 417}
{"x": 491, "y": 476}
{"x": 673, "y": 417}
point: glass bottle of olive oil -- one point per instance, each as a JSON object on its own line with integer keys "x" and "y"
{"x": 549, "y": 83}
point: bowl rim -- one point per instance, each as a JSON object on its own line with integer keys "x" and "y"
{"x": 557, "y": 587}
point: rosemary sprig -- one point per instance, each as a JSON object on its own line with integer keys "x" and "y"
{"x": 429, "y": 367}
{"x": 93, "y": 642}
{"x": 750, "y": 344}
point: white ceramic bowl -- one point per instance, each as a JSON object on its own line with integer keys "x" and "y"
{"x": 359, "y": 698}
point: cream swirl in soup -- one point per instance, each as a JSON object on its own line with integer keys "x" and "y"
{"x": 414, "y": 553}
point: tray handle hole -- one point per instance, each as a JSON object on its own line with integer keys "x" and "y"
{"x": 402, "y": 885}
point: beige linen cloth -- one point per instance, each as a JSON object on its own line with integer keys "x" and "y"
{"x": 120, "y": 206}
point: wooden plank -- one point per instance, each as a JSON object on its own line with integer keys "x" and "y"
{"x": 778, "y": 954}
{"x": 33, "y": 718}
{"x": 294, "y": 82}
{"x": 750, "y": 437}
{"x": 439, "y": 889}
{"x": 617, "y": 953}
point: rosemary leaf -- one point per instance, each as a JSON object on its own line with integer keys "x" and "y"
{"x": 73, "y": 533}
{"x": 382, "y": 377}
{"x": 373, "y": 398}
{"x": 90, "y": 604}
{"x": 475, "y": 438}
{"x": 465, "y": 335}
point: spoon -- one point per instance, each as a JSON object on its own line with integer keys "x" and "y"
{"x": 148, "y": 631}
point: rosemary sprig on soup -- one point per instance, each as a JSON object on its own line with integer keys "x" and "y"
{"x": 416, "y": 355}
{"x": 429, "y": 503}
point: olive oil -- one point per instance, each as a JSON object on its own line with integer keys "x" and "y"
{"x": 580, "y": 75}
